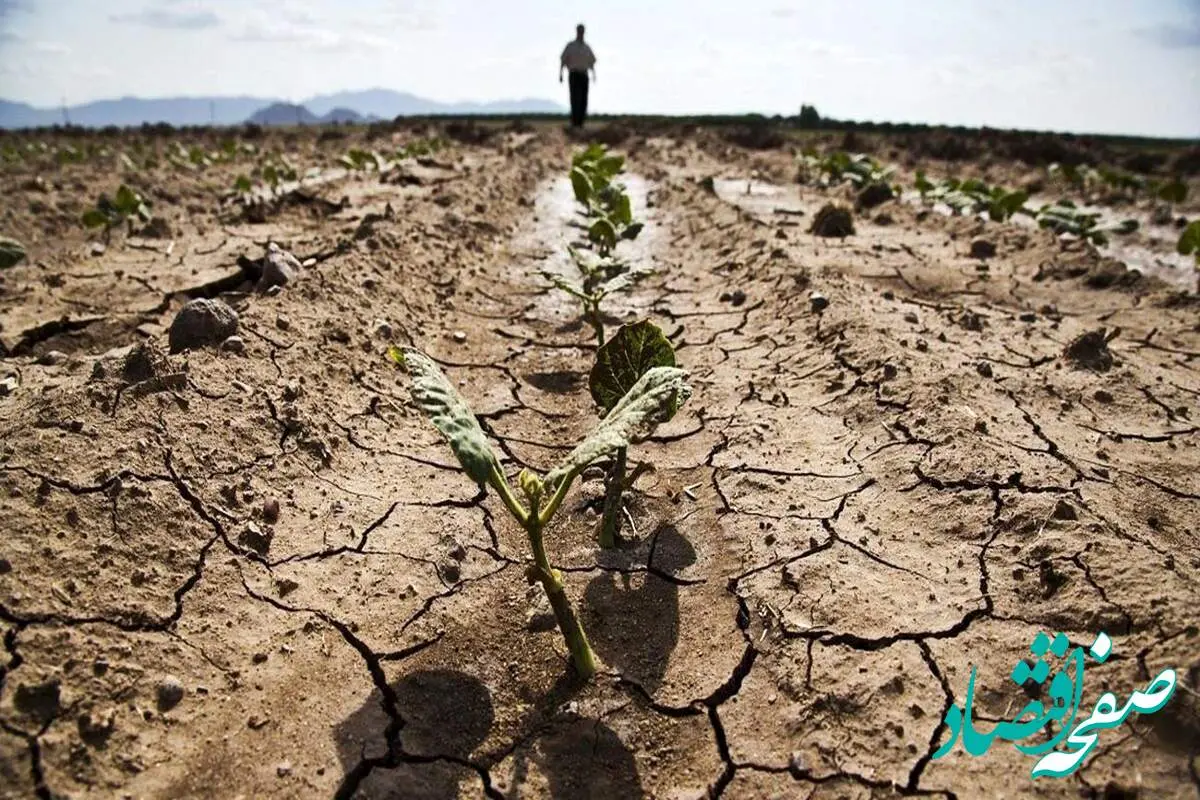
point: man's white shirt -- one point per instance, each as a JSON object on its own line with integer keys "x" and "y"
{"x": 577, "y": 56}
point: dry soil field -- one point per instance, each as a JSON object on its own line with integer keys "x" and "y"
{"x": 255, "y": 570}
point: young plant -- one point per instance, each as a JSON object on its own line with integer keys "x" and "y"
{"x": 973, "y": 196}
{"x": 1189, "y": 244}
{"x": 1065, "y": 218}
{"x": 621, "y": 362}
{"x": 597, "y": 284}
{"x": 605, "y": 202}
{"x": 364, "y": 161}
{"x": 126, "y": 207}
{"x": 654, "y": 399}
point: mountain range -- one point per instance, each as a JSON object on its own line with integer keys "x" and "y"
{"x": 341, "y": 106}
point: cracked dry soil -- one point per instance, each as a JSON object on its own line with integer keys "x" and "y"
{"x": 260, "y": 573}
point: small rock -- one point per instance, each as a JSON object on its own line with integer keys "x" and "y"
{"x": 200, "y": 323}
{"x": 284, "y": 769}
{"x": 5, "y": 566}
{"x": 52, "y": 358}
{"x": 169, "y": 693}
{"x": 1028, "y": 316}
{"x": 873, "y": 194}
{"x": 460, "y": 336}
{"x": 1102, "y": 396}
{"x": 259, "y": 658}
{"x": 234, "y": 344}
{"x": 817, "y": 302}
{"x": 282, "y": 322}
{"x": 382, "y": 329}
{"x": 734, "y": 298}
{"x": 911, "y": 317}
{"x": 285, "y": 586}
{"x": 1090, "y": 351}
{"x": 984, "y": 369}
{"x": 1064, "y": 510}
{"x": 8, "y": 385}
{"x": 271, "y": 510}
{"x": 98, "y": 248}
{"x": 279, "y": 268}
{"x": 450, "y": 571}
{"x": 982, "y": 248}
{"x": 256, "y": 538}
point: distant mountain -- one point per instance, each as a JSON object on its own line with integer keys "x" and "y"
{"x": 344, "y": 115}
{"x": 367, "y": 104}
{"x": 387, "y": 104}
{"x": 283, "y": 114}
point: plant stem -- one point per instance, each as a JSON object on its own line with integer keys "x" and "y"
{"x": 582, "y": 658}
{"x": 614, "y": 484}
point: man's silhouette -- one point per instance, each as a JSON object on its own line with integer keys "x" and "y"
{"x": 577, "y": 59}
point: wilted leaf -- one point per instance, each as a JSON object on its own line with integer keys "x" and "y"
{"x": 95, "y": 218}
{"x": 450, "y": 414}
{"x": 11, "y": 252}
{"x": 654, "y": 399}
{"x": 633, "y": 351}
{"x": 631, "y": 232}
{"x": 1189, "y": 240}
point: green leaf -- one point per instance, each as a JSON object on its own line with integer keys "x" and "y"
{"x": 610, "y": 165}
{"x": 632, "y": 352}
{"x": 243, "y": 184}
{"x": 1189, "y": 240}
{"x": 450, "y": 414}
{"x": 631, "y": 232}
{"x": 623, "y": 210}
{"x": 654, "y": 399}
{"x": 1174, "y": 191}
{"x": 95, "y": 218}
{"x": 603, "y": 234}
{"x": 593, "y": 153}
{"x": 581, "y": 185}
{"x": 11, "y": 252}
{"x": 127, "y": 200}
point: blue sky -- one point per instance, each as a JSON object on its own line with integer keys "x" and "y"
{"x": 1120, "y": 66}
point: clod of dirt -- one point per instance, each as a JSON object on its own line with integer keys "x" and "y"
{"x": 1102, "y": 396}
{"x": 382, "y": 329}
{"x": 873, "y": 194}
{"x": 256, "y": 538}
{"x": 157, "y": 228}
{"x": 708, "y": 184}
{"x": 169, "y": 693}
{"x": 1064, "y": 511}
{"x": 40, "y": 700}
{"x": 285, "y": 586}
{"x": 282, "y": 322}
{"x": 833, "y": 220}
{"x": 734, "y": 298}
{"x": 460, "y": 336}
{"x": 1051, "y": 579}
{"x": 234, "y": 344}
{"x": 142, "y": 363}
{"x": 1090, "y": 350}
{"x": 971, "y": 321}
{"x": 95, "y": 728}
{"x": 982, "y": 248}
{"x": 984, "y": 369}
{"x": 284, "y": 769}
{"x": 450, "y": 570}
{"x": 884, "y": 219}
{"x": 271, "y": 510}
{"x": 817, "y": 302}
{"x": 279, "y": 268}
{"x": 52, "y": 358}
{"x": 200, "y": 323}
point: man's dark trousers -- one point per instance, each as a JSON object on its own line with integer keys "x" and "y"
{"x": 578, "y": 83}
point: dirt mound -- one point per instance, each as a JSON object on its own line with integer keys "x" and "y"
{"x": 832, "y": 220}
{"x": 1090, "y": 350}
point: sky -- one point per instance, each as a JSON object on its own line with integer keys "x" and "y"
{"x": 1103, "y": 66}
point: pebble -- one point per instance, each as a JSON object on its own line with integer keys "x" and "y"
{"x": 284, "y": 769}
{"x": 169, "y": 693}
{"x": 383, "y": 329}
{"x": 8, "y": 385}
{"x": 279, "y": 268}
{"x": 271, "y": 510}
{"x": 202, "y": 322}
{"x": 282, "y": 322}
{"x": 52, "y": 358}
{"x": 818, "y": 302}
{"x": 460, "y": 336}
{"x": 234, "y": 344}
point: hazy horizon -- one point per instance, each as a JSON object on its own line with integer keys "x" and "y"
{"x": 1090, "y": 67}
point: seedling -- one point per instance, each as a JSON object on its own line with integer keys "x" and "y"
{"x": 127, "y": 206}
{"x": 652, "y": 400}
{"x": 633, "y": 351}
{"x": 1189, "y": 244}
{"x": 839, "y": 167}
{"x": 973, "y": 196}
{"x": 605, "y": 202}
{"x": 594, "y": 288}
{"x": 1065, "y": 218}
{"x": 364, "y": 160}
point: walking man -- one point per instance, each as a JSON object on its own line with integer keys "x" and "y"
{"x": 577, "y": 59}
